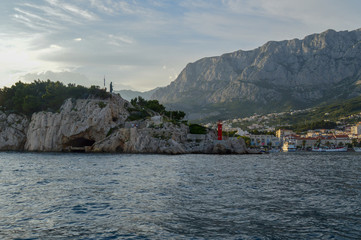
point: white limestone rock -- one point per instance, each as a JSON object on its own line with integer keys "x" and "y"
{"x": 94, "y": 125}
{"x": 165, "y": 140}
{"x": 87, "y": 120}
{"x": 170, "y": 139}
{"x": 12, "y": 131}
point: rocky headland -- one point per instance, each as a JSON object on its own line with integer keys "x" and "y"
{"x": 102, "y": 125}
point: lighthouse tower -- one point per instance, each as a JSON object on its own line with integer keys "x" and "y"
{"x": 219, "y": 125}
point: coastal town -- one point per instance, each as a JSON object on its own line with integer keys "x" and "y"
{"x": 263, "y": 132}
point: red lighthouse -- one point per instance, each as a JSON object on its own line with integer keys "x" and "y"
{"x": 219, "y": 130}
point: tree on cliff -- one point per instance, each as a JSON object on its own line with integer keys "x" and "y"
{"x": 28, "y": 98}
{"x": 155, "y": 106}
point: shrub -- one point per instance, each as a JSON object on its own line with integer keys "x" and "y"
{"x": 197, "y": 129}
{"x": 139, "y": 115}
{"x": 102, "y": 104}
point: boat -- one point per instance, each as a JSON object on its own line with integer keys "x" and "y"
{"x": 326, "y": 149}
{"x": 288, "y": 147}
{"x": 357, "y": 149}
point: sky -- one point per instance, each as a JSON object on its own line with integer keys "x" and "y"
{"x": 141, "y": 45}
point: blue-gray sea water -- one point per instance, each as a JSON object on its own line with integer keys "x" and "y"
{"x": 94, "y": 196}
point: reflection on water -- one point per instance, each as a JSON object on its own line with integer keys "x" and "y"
{"x": 275, "y": 196}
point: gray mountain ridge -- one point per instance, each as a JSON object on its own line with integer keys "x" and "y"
{"x": 131, "y": 94}
{"x": 278, "y": 76}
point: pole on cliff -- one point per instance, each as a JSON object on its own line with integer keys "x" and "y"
{"x": 219, "y": 130}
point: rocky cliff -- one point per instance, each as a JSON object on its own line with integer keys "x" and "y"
{"x": 13, "y": 129}
{"x": 79, "y": 123}
{"x": 277, "y": 76}
{"x": 92, "y": 125}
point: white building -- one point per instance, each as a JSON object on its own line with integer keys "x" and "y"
{"x": 264, "y": 140}
{"x": 356, "y": 130}
{"x": 240, "y": 132}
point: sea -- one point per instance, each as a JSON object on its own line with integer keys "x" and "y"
{"x": 124, "y": 196}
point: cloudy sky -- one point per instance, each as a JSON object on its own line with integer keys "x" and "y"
{"x": 145, "y": 44}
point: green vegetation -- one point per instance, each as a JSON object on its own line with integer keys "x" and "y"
{"x": 247, "y": 140}
{"x": 230, "y": 133}
{"x": 257, "y": 132}
{"x": 340, "y": 109}
{"x": 175, "y": 115}
{"x": 197, "y": 129}
{"x": 27, "y": 98}
{"x": 314, "y": 125}
{"x": 332, "y": 112}
{"x": 138, "y": 115}
{"x": 153, "y": 105}
{"x": 142, "y": 106}
{"x": 102, "y": 104}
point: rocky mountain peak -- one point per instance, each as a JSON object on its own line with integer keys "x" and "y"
{"x": 276, "y": 76}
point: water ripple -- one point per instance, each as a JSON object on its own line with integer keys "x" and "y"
{"x": 89, "y": 196}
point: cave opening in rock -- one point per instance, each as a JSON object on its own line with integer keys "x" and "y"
{"x": 80, "y": 142}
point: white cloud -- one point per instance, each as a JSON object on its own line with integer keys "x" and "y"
{"x": 312, "y": 13}
{"x": 112, "y": 7}
{"x": 62, "y": 76}
{"x": 54, "y": 46}
{"x": 76, "y": 11}
{"x": 34, "y": 17}
{"x": 119, "y": 40}
{"x": 51, "y": 12}
{"x": 146, "y": 44}
{"x": 17, "y": 58}
{"x": 101, "y": 5}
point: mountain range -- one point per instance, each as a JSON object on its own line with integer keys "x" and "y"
{"x": 131, "y": 94}
{"x": 278, "y": 76}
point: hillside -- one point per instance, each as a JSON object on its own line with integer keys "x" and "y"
{"x": 332, "y": 112}
{"x": 278, "y": 76}
{"x": 346, "y": 112}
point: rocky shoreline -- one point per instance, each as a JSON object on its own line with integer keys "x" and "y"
{"x": 101, "y": 126}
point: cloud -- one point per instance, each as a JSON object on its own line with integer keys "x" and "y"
{"x": 67, "y": 57}
{"x": 63, "y": 76}
{"x": 320, "y": 13}
{"x": 73, "y": 9}
{"x": 122, "y": 7}
{"x": 17, "y": 57}
{"x": 35, "y": 17}
{"x": 59, "y": 17}
{"x": 119, "y": 40}
{"x": 102, "y": 6}
{"x": 131, "y": 41}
